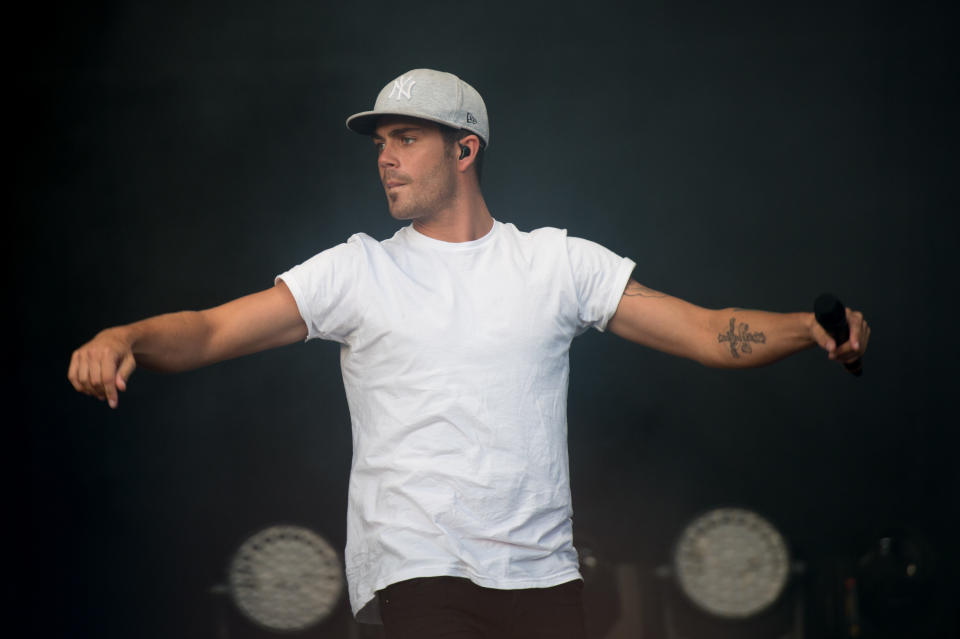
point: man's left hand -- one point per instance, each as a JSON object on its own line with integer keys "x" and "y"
{"x": 851, "y": 350}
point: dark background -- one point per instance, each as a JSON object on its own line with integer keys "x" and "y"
{"x": 174, "y": 156}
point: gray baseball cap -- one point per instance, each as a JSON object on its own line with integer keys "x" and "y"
{"x": 430, "y": 95}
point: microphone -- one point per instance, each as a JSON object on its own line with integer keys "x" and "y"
{"x": 832, "y": 316}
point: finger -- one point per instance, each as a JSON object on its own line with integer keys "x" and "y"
{"x": 850, "y": 352}
{"x": 72, "y": 371}
{"x": 847, "y": 355}
{"x": 823, "y": 339}
{"x": 855, "y": 322}
{"x": 83, "y": 373}
{"x": 108, "y": 373}
{"x": 830, "y": 345}
{"x": 864, "y": 336}
{"x": 127, "y": 366}
{"x": 96, "y": 377}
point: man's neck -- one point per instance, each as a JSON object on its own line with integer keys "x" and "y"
{"x": 467, "y": 219}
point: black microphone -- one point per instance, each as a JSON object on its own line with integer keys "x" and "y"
{"x": 832, "y": 316}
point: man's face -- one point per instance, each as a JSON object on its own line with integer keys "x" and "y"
{"x": 417, "y": 170}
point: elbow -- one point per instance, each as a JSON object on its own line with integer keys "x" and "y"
{"x": 713, "y": 360}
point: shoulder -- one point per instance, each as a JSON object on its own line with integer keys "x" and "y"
{"x": 542, "y": 246}
{"x": 537, "y": 238}
{"x": 344, "y": 255}
{"x": 542, "y": 233}
{"x": 556, "y": 237}
{"x": 355, "y": 246}
{"x": 363, "y": 242}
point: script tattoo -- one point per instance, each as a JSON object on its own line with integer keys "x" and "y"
{"x": 635, "y": 289}
{"x": 741, "y": 338}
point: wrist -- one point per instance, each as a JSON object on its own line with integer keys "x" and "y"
{"x": 810, "y": 323}
{"x": 123, "y": 336}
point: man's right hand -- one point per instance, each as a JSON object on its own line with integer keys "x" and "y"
{"x": 102, "y": 366}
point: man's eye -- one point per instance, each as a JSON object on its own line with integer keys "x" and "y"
{"x": 379, "y": 146}
{"x": 407, "y": 140}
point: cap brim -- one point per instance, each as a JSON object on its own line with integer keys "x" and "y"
{"x": 365, "y": 123}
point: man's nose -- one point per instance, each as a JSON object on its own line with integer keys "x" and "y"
{"x": 388, "y": 158}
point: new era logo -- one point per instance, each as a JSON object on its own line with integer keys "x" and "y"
{"x": 471, "y": 119}
{"x": 401, "y": 88}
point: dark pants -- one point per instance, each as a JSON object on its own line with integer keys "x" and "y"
{"x": 455, "y": 608}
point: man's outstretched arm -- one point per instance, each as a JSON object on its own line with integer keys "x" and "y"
{"x": 726, "y": 338}
{"x": 183, "y": 341}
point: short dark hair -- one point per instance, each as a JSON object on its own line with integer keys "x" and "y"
{"x": 452, "y": 136}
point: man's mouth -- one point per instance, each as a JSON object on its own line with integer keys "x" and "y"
{"x": 393, "y": 180}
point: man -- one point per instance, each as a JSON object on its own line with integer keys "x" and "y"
{"x": 455, "y": 337}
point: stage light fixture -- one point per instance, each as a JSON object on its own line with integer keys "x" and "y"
{"x": 285, "y": 578}
{"x": 731, "y": 563}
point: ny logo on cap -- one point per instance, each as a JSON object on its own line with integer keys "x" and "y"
{"x": 401, "y": 87}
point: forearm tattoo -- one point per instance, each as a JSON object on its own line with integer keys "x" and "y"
{"x": 741, "y": 337}
{"x": 635, "y": 289}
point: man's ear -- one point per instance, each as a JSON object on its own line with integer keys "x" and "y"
{"x": 469, "y": 146}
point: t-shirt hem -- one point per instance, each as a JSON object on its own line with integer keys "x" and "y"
{"x": 295, "y": 289}
{"x": 367, "y": 613}
{"x": 620, "y": 284}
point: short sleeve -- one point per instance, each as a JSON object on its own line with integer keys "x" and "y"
{"x": 600, "y": 276}
{"x": 326, "y": 290}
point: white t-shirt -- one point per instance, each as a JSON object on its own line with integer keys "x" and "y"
{"x": 455, "y": 365}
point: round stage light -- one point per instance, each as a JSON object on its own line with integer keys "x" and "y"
{"x": 286, "y": 578}
{"x": 731, "y": 563}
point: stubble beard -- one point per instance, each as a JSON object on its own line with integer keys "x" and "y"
{"x": 425, "y": 197}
